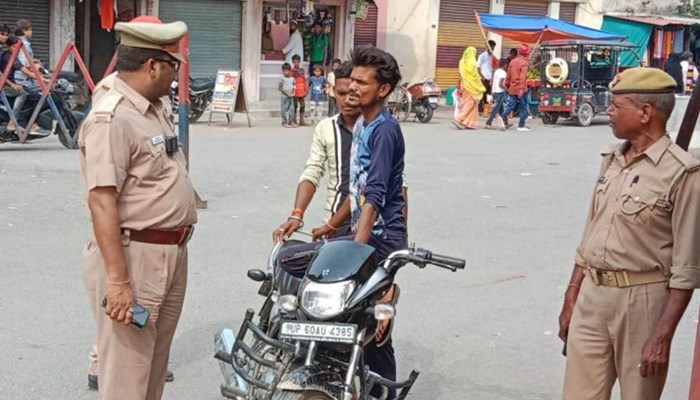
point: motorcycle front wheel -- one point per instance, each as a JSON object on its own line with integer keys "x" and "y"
{"x": 305, "y": 395}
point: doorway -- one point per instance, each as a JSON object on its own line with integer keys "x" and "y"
{"x": 97, "y": 45}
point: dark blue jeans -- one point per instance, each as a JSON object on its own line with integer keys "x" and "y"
{"x": 499, "y": 101}
{"x": 379, "y": 359}
{"x": 519, "y": 100}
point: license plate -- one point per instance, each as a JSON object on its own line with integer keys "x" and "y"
{"x": 432, "y": 100}
{"x": 556, "y": 101}
{"x": 318, "y": 331}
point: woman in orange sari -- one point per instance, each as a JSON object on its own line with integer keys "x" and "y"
{"x": 472, "y": 91}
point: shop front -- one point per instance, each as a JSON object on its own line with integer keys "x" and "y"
{"x": 266, "y": 35}
{"x": 94, "y": 34}
{"x": 657, "y": 37}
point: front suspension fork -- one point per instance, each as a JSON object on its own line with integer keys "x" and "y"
{"x": 349, "y": 392}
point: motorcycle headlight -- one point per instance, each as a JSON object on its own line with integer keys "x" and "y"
{"x": 326, "y": 300}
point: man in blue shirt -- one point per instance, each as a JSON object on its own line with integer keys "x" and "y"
{"x": 376, "y": 178}
{"x": 375, "y": 198}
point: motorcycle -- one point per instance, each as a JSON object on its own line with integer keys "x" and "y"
{"x": 66, "y": 127}
{"x": 308, "y": 343}
{"x": 419, "y": 99}
{"x": 201, "y": 94}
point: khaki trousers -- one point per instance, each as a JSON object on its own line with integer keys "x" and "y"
{"x": 133, "y": 362}
{"x": 608, "y": 330}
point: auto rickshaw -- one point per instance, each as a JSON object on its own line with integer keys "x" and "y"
{"x": 575, "y": 78}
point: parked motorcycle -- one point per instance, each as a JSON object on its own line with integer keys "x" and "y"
{"x": 308, "y": 343}
{"x": 66, "y": 128}
{"x": 419, "y": 99}
{"x": 201, "y": 94}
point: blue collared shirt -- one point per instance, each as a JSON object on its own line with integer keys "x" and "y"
{"x": 376, "y": 174}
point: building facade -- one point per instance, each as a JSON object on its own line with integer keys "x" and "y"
{"x": 428, "y": 37}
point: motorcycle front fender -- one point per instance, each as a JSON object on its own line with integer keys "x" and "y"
{"x": 312, "y": 377}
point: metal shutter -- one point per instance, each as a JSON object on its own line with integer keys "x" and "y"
{"x": 567, "y": 12}
{"x": 37, "y": 11}
{"x": 457, "y": 30}
{"x": 366, "y": 29}
{"x": 215, "y": 32}
{"x": 522, "y": 7}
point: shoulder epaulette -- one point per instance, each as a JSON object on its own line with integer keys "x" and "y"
{"x": 686, "y": 159}
{"x": 609, "y": 149}
{"x": 104, "y": 110}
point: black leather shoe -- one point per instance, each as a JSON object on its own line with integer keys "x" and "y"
{"x": 93, "y": 385}
{"x": 92, "y": 382}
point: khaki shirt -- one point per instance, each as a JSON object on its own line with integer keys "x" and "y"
{"x": 645, "y": 215}
{"x": 122, "y": 145}
{"x": 103, "y": 87}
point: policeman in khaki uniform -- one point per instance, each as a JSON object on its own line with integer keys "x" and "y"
{"x": 142, "y": 205}
{"x": 638, "y": 261}
{"x": 101, "y": 88}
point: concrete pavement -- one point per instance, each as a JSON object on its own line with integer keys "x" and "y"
{"x": 512, "y": 204}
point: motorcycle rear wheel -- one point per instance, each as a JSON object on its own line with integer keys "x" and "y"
{"x": 195, "y": 115}
{"x": 66, "y": 141}
{"x": 305, "y": 395}
{"x": 425, "y": 115}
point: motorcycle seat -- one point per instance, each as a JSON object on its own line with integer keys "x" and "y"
{"x": 201, "y": 84}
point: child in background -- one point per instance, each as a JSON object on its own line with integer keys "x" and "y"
{"x": 317, "y": 83}
{"x": 330, "y": 89}
{"x": 286, "y": 87}
{"x": 500, "y": 95}
{"x": 457, "y": 98}
{"x": 301, "y": 88}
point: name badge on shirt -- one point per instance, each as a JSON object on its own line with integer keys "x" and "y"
{"x": 156, "y": 140}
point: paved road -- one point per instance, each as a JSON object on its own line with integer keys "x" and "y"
{"x": 511, "y": 203}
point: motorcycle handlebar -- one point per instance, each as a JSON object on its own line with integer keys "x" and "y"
{"x": 446, "y": 260}
{"x": 422, "y": 257}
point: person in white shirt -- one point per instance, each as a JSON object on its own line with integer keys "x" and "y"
{"x": 500, "y": 95}
{"x": 485, "y": 65}
{"x": 688, "y": 80}
{"x": 295, "y": 46}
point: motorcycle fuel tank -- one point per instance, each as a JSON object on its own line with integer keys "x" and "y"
{"x": 343, "y": 260}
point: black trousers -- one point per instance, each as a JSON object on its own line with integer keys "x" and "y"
{"x": 380, "y": 360}
{"x": 300, "y": 107}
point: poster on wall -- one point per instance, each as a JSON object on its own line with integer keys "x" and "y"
{"x": 362, "y": 9}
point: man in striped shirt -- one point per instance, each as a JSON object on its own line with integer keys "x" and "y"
{"x": 330, "y": 151}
